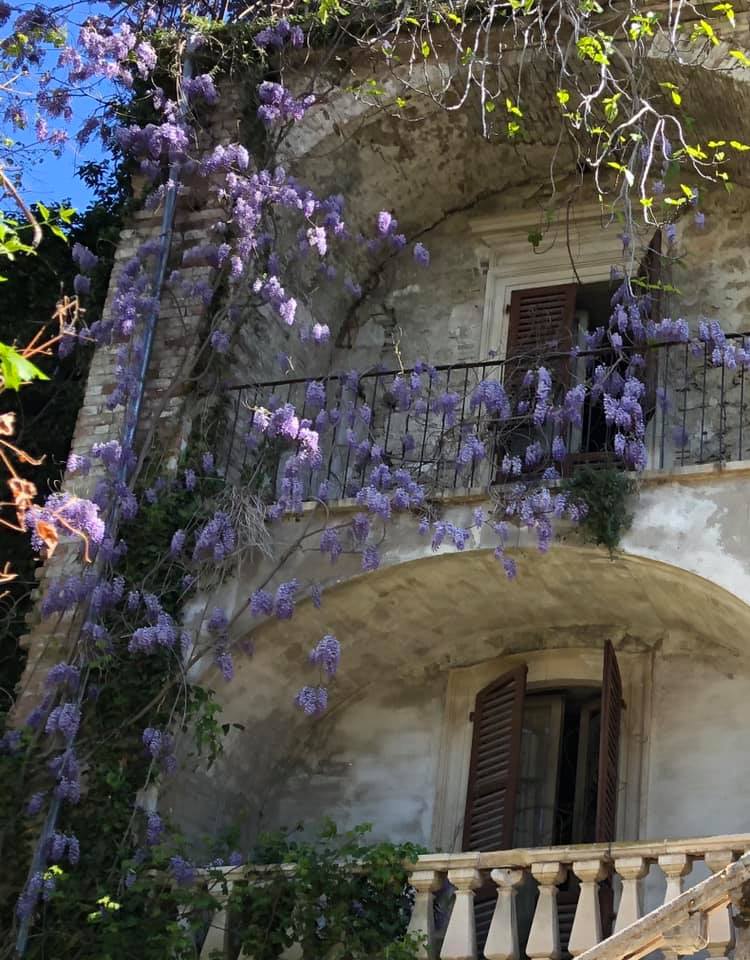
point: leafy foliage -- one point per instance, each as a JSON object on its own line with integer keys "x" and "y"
{"x": 605, "y": 493}
{"x": 341, "y": 896}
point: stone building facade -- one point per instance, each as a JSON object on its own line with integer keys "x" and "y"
{"x": 428, "y": 632}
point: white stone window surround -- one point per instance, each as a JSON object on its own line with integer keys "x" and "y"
{"x": 547, "y": 669}
{"x": 593, "y": 243}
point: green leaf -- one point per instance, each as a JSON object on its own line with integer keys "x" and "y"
{"x": 727, "y": 9}
{"x": 563, "y": 96}
{"x": 425, "y": 49}
{"x": 610, "y": 107}
{"x": 58, "y": 231}
{"x": 44, "y": 211}
{"x": 489, "y": 106}
{"x": 704, "y": 30}
{"x": 17, "y": 370}
{"x": 741, "y": 57}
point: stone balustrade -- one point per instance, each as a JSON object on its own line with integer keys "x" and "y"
{"x": 456, "y": 878}
{"x": 626, "y": 865}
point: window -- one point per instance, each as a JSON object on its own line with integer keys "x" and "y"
{"x": 545, "y": 323}
{"x": 531, "y": 755}
{"x": 543, "y": 771}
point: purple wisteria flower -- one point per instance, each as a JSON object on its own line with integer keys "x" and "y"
{"x": 331, "y": 544}
{"x": 216, "y": 540}
{"x": 284, "y": 600}
{"x": 65, "y": 719}
{"x": 312, "y": 700}
{"x": 84, "y": 258}
{"x": 182, "y": 870}
{"x": 201, "y": 87}
{"x": 278, "y": 105}
{"x": 261, "y": 604}
{"x": 321, "y": 333}
{"x": 220, "y": 341}
{"x": 154, "y": 828}
{"x": 326, "y": 654}
{"x": 35, "y": 804}
{"x": 421, "y": 255}
{"x": 178, "y": 543}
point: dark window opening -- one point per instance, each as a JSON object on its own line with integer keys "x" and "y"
{"x": 559, "y": 764}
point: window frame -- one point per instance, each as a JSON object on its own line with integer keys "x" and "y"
{"x": 547, "y": 669}
{"x": 589, "y": 241}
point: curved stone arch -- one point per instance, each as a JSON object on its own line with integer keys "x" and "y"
{"x": 406, "y": 626}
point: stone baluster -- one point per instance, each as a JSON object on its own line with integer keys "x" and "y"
{"x": 631, "y": 870}
{"x": 674, "y": 866}
{"x": 422, "y": 922}
{"x": 720, "y": 929}
{"x": 544, "y": 936}
{"x": 216, "y": 938}
{"x": 587, "y": 923}
{"x": 460, "y": 941}
{"x": 502, "y": 939}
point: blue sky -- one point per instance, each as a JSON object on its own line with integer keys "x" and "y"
{"x": 54, "y": 179}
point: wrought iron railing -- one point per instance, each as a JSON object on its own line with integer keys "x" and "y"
{"x": 420, "y": 419}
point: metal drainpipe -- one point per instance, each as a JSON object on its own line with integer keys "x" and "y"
{"x": 132, "y": 415}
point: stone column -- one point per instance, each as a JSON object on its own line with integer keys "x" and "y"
{"x": 422, "y": 922}
{"x": 587, "y": 923}
{"x": 631, "y": 870}
{"x": 674, "y": 866}
{"x": 460, "y": 941}
{"x": 216, "y": 938}
{"x": 544, "y": 937}
{"x": 502, "y": 939}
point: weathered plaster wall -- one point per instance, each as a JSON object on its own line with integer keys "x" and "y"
{"x": 374, "y": 760}
{"x": 404, "y": 628}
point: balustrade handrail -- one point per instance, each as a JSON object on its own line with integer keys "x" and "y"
{"x": 737, "y": 843}
{"x": 685, "y": 923}
{"x": 526, "y": 856}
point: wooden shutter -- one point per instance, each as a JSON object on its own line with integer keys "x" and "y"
{"x": 495, "y": 763}
{"x": 541, "y": 321}
{"x": 609, "y": 744}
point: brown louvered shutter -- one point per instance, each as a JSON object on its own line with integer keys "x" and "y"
{"x": 495, "y": 763}
{"x": 609, "y": 745}
{"x": 541, "y": 322}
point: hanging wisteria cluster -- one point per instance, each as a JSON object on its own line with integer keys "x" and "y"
{"x": 515, "y": 440}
